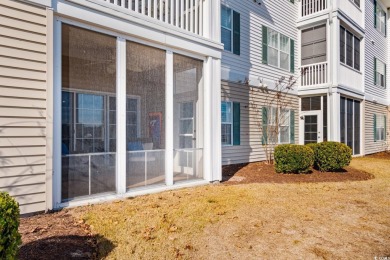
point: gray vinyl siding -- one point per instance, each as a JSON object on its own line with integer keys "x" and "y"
{"x": 280, "y": 16}
{"x": 23, "y": 103}
{"x": 370, "y": 146}
{"x": 250, "y": 148}
{"x": 378, "y": 50}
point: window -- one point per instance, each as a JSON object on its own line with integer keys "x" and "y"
{"x": 227, "y": 123}
{"x": 349, "y": 49}
{"x": 379, "y": 128}
{"x": 350, "y": 123}
{"x": 278, "y": 50}
{"x": 313, "y": 45}
{"x": 356, "y": 2}
{"x": 380, "y": 18}
{"x": 230, "y": 30}
{"x": 278, "y": 125}
{"x": 379, "y": 73}
{"x": 230, "y": 129}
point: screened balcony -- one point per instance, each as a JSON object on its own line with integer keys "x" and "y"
{"x": 314, "y": 64}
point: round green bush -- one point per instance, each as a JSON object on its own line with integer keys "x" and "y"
{"x": 292, "y": 158}
{"x": 10, "y": 238}
{"x": 331, "y": 156}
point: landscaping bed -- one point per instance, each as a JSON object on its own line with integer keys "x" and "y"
{"x": 261, "y": 172}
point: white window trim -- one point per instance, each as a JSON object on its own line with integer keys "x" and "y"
{"x": 378, "y": 25}
{"x": 227, "y": 123}
{"x": 353, "y": 50}
{"x": 376, "y": 74}
{"x": 279, "y": 50}
{"x": 280, "y": 125}
{"x": 382, "y": 117}
{"x": 230, "y": 29}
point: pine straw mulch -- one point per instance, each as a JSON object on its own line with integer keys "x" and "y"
{"x": 261, "y": 172}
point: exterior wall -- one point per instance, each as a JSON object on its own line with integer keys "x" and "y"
{"x": 250, "y": 148}
{"x": 353, "y": 11}
{"x": 370, "y": 146}
{"x": 375, "y": 46}
{"x": 280, "y": 16}
{"x": 23, "y": 84}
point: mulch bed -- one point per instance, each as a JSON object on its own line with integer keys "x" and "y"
{"x": 261, "y": 172}
{"x": 56, "y": 236}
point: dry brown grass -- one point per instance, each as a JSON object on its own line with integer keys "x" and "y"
{"x": 252, "y": 221}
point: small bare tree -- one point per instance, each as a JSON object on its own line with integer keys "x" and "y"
{"x": 272, "y": 112}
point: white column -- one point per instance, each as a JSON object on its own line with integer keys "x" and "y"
{"x": 121, "y": 116}
{"x": 334, "y": 119}
{"x": 169, "y": 119}
{"x": 207, "y": 18}
{"x": 57, "y": 115}
{"x": 207, "y": 125}
{"x": 216, "y": 151}
{"x": 215, "y": 21}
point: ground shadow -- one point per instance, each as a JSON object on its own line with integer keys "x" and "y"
{"x": 228, "y": 171}
{"x": 66, "y": 247}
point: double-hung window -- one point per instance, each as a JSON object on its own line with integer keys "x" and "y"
{"x": 230, "y": 128}
{"x": 278, "y": 50}
{"x": 278, "y": 125}
{"x": 379, "y": 127}
{"x": 230, "y": 30}
{"x": 356, "y": 2}
{"x": 379, "y": 73}
{"x": 349, "y": 49}
{"x": 380, "y": 18}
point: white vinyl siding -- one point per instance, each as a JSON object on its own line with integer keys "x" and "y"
{"x": 377, "y": 50}
{"x": 23, "y": 104}
{"x": 249, "y": 64}
{"x": 251, "y": 148}
{"x": 371, "y": 110}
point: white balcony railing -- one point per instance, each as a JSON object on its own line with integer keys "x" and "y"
{"x": 314, "y": 74}
{"x": 309, "y": 7}
{"x": 185, "y": 14}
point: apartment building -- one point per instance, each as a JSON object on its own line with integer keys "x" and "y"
{"x": 105, "y": 99}
{"x": 336, "y": 49}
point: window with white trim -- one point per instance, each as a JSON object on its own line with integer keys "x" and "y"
{"x": 279, "y": 125}
{"x": 380, "y": 128}
{"x": 380, "y": 73}
{"x": 349, "y": 49}
{"x": 278, "y": 50}
{"x": 227, "y": 123}
{"x": 380, "y": 18}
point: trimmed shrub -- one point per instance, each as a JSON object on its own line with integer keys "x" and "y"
{"x": 10, "y": 238}
{"x": 331, "y": 156}
{"x": 292, "y": 158}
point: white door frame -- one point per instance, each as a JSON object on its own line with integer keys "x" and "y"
{"x": 320, "y": 125}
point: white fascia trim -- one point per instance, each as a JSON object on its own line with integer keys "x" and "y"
{"x": 356, "y": 28}
{"x": 350, "y": 91}
{"x": 45, "y": 3}
{"x": 378, "y": 100}
{"x": 64, "y": 7}
{"x": 138, "y": 192}
{"x": 313, "y": 19}
{"x": 313, "y": 91}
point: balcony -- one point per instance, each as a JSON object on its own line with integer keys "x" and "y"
{"x": 314, "y": 74}
{"x": 309, "y": 7}
{"x": 188, "y": 15}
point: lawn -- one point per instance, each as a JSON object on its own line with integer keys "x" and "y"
{"x": 349, "y": 219}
